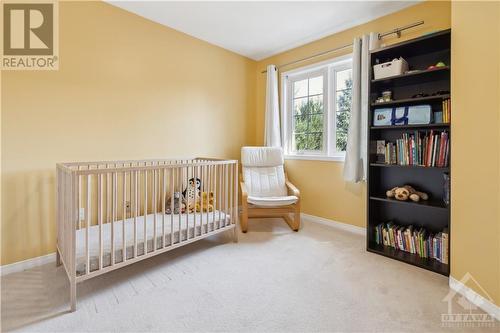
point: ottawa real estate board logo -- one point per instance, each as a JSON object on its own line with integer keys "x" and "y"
{"x": 30, "y": 35}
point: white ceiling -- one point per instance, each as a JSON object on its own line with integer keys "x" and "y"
{"x": 260, "y": 29}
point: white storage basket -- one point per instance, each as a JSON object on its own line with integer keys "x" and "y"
{"x": 391, "y": 68}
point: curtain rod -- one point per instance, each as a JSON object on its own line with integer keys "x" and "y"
{"x": 396, "y": 31}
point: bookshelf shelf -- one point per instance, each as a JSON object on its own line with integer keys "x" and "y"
{"x": 408, "y": 101}
{"x": 423, "y": 203}
{"x": 409, "y": 258}
{"x": 425, "y": 74}
{"x": 406, "y": 127}
{"x": 433, "y": 215}
{"x": 383, "y": 165}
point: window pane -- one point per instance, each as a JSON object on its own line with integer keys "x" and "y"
{"x": 300, "y": 106}
{"x": 343, "y": 121}
{"x": 344, "y": 99}
{"x": 316, "y": 104}
{"x": 300, "y": 88}
{"x": 301, "y": 124}
{"x": 308, "y": 118}
{"x": 341, "y": 141}
{"x": 316, "y": 85}
{"x": 342, "y": 127}
{"x": 315, "y": 141}
{"x": 344, "y": 79}
{"x": 300, "y": 141}
{"x": 316, "y": 123}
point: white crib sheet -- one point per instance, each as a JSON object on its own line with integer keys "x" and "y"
{"x": 204, "y": 222}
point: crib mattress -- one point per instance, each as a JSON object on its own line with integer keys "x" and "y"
{"x": 178, "y": 226}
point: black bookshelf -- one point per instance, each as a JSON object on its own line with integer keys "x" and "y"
{"x": 433, "y": 214}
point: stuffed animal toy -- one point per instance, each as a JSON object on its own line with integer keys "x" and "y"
{"x": 208, "y": 202}
{"x": 406, "y": 192}
{"x": 179, "y": 205}
{"x": 191, "y": 192}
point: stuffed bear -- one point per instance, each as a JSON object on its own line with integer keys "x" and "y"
{"x": 406, "y": 192}
{"x": 179, "y": 205}
{"x": 208, "y": 202}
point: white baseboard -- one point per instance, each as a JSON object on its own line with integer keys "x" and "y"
{"x": 473, "y": 297}
{"x": 334, "y": 224}
{"x": 27, "y": 264}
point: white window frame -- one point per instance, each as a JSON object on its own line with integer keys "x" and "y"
{"x": 328, "y": 69}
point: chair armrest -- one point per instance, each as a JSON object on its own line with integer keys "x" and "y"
{"x": 244, "y": 192}
{"x": 293, "y": 188}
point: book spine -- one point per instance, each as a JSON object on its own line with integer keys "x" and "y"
{"x": 441, "y": 150}
{"x": 444, "y": 240}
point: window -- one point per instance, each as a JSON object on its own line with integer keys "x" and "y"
{"x": 316, "y": 105}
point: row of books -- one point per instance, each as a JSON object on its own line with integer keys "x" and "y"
{"x": 446, "y": 110}
{"x": 429, "y": 149}
{"x": 414, "y": 240}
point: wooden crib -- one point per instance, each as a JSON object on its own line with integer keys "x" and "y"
{"x": 114, "y": 213}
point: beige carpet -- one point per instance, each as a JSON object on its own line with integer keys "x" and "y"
{"x": 319, "y": 279}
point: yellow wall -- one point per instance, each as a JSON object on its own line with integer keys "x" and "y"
{"x": 324, "y": 191}
{"x": 127, "y": 88}
{"x": 130, "y": 88}
{"x": 475, "y": 231}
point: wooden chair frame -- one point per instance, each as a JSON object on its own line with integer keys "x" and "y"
{"x": 251, "y": 211}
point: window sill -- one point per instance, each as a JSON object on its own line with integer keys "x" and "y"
{"x": 339, "y": 158}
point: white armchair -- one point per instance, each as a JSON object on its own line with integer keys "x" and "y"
{"x": 265, "y": 189}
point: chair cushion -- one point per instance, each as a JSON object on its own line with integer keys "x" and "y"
{"x": 272, "y": 201}
{"x": 261, "y": 156}
{"x": 265, "y": 181}
{"x": 263, "y": 171}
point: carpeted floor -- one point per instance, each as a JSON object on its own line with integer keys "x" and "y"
{"x": 319, "y": 279}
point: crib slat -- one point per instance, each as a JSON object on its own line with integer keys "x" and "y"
{"x": 201, "y": 170}
{"x": 65, "y": 215}
{"x": 196, "y": 197}
{"x": 145, "y": 211}
{"x": 100, "y": 216}
{"x": 154, "y": 202}
{"x": 230, "y": 193}
{"x": 226, "y": 192}
{"x": 180, "y": 171}
{"x": 220, "y": 175}
{"x": 187, "y": 216}
{"x": 172, "y": 179}
{"x": 108, "y": 197}
{"x": 113, "y": 216}
{"x": 87, "y": 227}
{"x": 76, "y": 197}
{"x": 136, "y": 198}
{"x": 209, "y": 189}
{"x": 124, "y": 216}
{"x": 235, "y": 194}
{"x": 235, "y": 188}
{"x": 163, "y": 203}
{"x": 214, "y": 186}
{"x": 75, "y": 212}
{"x": 75, "y": 215}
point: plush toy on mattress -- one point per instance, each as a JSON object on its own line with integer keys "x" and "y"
{"x": 179, "y": 205}
{"x": 205, "y": 202}
{"x": 191, "y": 193}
